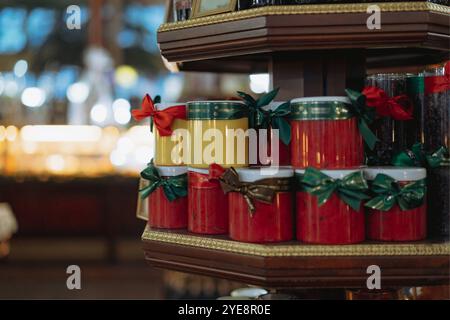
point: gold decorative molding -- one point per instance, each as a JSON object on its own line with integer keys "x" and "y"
{"x": 304, "y": 9}
{"x": 298, "y": 250}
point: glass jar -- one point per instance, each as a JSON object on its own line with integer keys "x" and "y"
{"x": 270, "y": 222}
{"x": 436, "y": 113}
{"x": 207, "y": 204}
{"x": 218, "y": 133}
{"x": 397, "y": 224}
{"x": 394, "y": 135}
{"x": 182, "y": 10}
{"x": 334, "y": 222}
{"x": 162, "y": 212}
{"x": 324, "y": 134}
{"x": 166, "y": 145}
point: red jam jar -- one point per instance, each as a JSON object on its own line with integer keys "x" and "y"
{"x": 397, "y": 224}
{"x": 164, "y": 213}
{"x": 269, "y": 222}
{"x": 324, "y": 134}
{"x": 334, "y": 222}
{"x": 207, "y": 204}
{"x": 282, "y": 156}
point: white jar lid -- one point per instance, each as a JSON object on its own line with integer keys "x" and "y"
{"x": 165, "y": 105}
{"x": 259, "y": 173}
{"x": 397, "y": 173}
{"x": 171, "y": 171}
{"x": 252, "y": 292}
{"x": 335, "y": 174}
{"x": 198, "y": 170}
{"x": 322, "y": 99}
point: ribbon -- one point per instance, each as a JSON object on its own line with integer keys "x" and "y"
{"x": 416, "y": 157}
{"x": 174, "y": 187}
{"x": 351, "y": 189}
{"x": 365, "y": 116}
{"x": 209, "y": 181}
{"x": 163, "y": 119}
{"x": 264, "y": 119}
{"x": 388, "y": 192}
{"x": 262, "y": 190}
{"x": 438, "y": 83}
{"x": 398, "y": 107}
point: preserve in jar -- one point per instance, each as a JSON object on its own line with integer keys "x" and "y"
{"x": 329, "y": 206}
{"x": 166, "y": 191}
{"x": 324, "y": 134}
{"x": 218, "y": 133}
{"x": 207, "y": 203}
{"x": 397, "y": 208}
{"x": 260, "y": 206}
{"x": 169, "y": 149}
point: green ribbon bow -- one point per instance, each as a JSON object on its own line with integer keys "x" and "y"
{"x": 365, "y": 116}
{"x": 174, "y": 187}
{"x": 351, "y": 189}
{"x": 416, "y": 157}
{"x": 387, "y": 192}
{"x": 263, "y": 119}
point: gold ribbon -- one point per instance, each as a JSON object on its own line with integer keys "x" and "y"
{"x": 262, "y": 190}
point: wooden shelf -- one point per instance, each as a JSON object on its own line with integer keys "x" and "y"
{"x": 297, "y": 265}
{"x": 245, "y": 41}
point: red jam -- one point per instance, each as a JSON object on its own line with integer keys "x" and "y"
{"x": 269, "y": 223}
{"x": 397, "y": 225}
{"x": 330, "y": 144}
{"x": 207, "y": 205}
{"x": 284, "y": 151}
{"x": 166, "y": 214}
{"x": 334, "y": 222}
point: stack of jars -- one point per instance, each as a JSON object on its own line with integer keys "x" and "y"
{"x": 206, "y": 179}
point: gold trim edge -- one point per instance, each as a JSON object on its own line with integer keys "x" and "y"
{"x": 303, "y": 250}
{"x": 304, "y": 9}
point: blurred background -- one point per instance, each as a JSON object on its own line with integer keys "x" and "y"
{"x": 70, "y": 152}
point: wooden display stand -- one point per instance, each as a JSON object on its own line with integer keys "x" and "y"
{"x": 309, "y": 50}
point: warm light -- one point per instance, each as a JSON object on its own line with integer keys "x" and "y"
{"x": 259, "y": 83}
{"x": 33, "y": 97}
{"x": 11, "y": 133}
{"x": 20, "y": 68}
{"x": 126, "y": 76}
{"x": 61, "y": 133}
{"x": 143, "y": 154}
{"x": 125, "y": 145}
{"x": 121, "y": 109}
{"x": 55, "y": 163}
{"x": 29, "y": 147}
{"x": 117, "y": 158}
{"x": 78, "y": 92}
{"x": 2, "y": 133}
{"x": 99, "y": 112}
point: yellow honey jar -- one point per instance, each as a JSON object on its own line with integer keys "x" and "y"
{"x": 169, "y": 149}
{"x": 218, "y": 133}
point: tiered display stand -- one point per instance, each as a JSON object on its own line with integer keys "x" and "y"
{"x": 309, "y": 50}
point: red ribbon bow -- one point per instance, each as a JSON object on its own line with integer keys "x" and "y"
{"x": 200, "y": 181}
{"x": 398, "y": 107}
{"x": 438, "y": 83}
{"x": 162, "y": 119}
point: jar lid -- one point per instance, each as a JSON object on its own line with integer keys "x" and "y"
{"x": 321, "y": 108}
{"x": 216, "y": 110}
{"x": 165, "y": 105}
{"x": 198, "y": 170}
{"x": 259, "y": 173}
{"x": 252, "y": 292}
{"x": 171, "y": 171}
{"x": 397, "y": 173}
{"x": 335, "y": 174}
{"x": 322, "y": 99}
